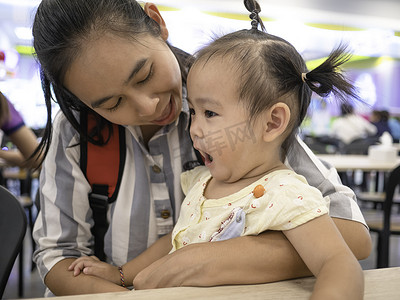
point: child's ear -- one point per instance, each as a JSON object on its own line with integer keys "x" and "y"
{"x": 152, "y": 11}
{"x": 276, "y": 120}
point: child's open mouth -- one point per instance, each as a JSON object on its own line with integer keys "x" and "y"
{"x": 206, "y": 157}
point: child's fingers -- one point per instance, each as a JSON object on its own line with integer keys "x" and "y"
{"x": 79, "y": 267}
{"x": 76, "y": 261}
{"x": 80, "y": 259}
{"x": 88, "y": 271}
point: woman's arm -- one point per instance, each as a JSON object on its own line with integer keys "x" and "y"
{"x": 267, "y": 257}
{"x": 339, "y": 275}
{"x": 356, "y": 236}
{"x": 25, "y": 141}
{"x": 62, "y": 229}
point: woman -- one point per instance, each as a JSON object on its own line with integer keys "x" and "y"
{"x": 111, "y": 58}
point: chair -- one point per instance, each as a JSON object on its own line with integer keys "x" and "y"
{"x": 13, "y": 226}
{"x": 24, "y": 177}
{"x": 322, "y": 144}
{"x": 359, "y": 146}
{"x": 383, "y": 222}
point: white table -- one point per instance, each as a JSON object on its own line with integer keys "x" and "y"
{"x": 344, "y": 163}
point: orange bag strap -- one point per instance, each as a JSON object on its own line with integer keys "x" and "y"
{"x": 103, "y": 167}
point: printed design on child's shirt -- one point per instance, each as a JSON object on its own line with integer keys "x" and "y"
{"x": 193, "y": 216}
{"x": 207, "y": 216}
{"x": 185, "y": 241}
{"x": 203, "y": 235}
{"x": 298, "y": 200}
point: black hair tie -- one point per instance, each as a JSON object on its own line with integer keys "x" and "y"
{"x": 254, "y": 19}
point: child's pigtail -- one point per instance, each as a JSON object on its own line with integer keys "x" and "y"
{"x": 254, "y": 8}
{"x": 327, "y": 77}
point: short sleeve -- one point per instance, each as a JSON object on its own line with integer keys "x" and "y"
{"x": 189, "y": 178}
{"x": 14, "y": 122}
{"x": 287, "y": 203}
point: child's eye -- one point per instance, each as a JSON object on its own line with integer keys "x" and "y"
{"x": 209, "y": 114}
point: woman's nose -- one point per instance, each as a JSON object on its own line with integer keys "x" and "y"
{"x": 146, "y": 105}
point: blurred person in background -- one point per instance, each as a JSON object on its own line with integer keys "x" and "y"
{"x": 394, "y": 124}
{"x": 350, "y": 126}
{"x": 380, "y": 118}
{"x": 24, "y": 139}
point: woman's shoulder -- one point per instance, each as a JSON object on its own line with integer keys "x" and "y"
{"x": 63, "y": 128}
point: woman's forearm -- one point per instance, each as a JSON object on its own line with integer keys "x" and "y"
{"x": 267, "y": 257}
{"x": 62, "y": 282}
{"x": 356, "y": 236}
{"x": 245, "y": 260}
{"x": 264, "y": 258}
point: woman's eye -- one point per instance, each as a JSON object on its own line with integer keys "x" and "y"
{"x": 148, "y": 77}
{"x": 209, "y": 114}
{"x": 111, "y": 109}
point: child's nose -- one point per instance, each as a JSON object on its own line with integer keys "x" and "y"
{"x": 195, "y": 129}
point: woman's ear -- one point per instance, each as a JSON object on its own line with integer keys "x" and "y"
{"x": 152, "y": 11}
{"x": 276, "y": 120}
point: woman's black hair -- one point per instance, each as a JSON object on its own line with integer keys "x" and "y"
{"x": 270, "y": 70}
{"x": 60, "y": 31}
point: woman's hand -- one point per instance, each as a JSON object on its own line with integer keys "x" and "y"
{"x": 91, "y": 265}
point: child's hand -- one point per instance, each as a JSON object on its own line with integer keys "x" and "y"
{"x": 91, "y": 265}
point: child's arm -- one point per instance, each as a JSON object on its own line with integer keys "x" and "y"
{"x": 90, "y": 265}
{"x": 320, "y": 245}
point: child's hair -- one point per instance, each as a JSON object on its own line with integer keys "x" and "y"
{"x": 270, "y": 70}
{"x": 61, "y": 29}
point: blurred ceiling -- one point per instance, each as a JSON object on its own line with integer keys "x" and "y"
{"x": 364, "y": 13}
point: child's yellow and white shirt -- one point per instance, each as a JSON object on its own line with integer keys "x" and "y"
{"x": 288, "y": 201}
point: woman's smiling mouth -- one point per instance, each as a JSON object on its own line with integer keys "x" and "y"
{"x": 168, "y": 114}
